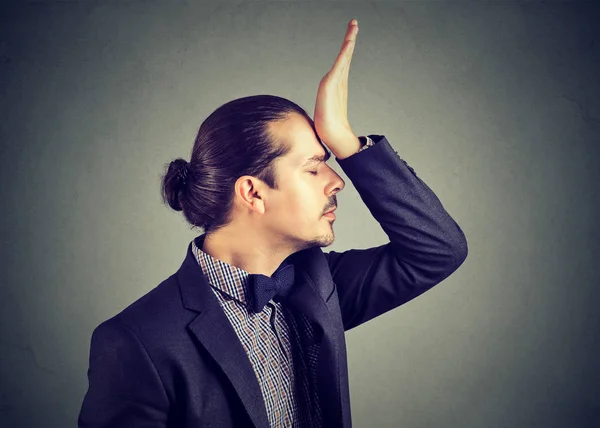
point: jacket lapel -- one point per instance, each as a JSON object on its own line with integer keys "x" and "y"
{"x": 313, "y": 299}
{"x": 214, "y": 331}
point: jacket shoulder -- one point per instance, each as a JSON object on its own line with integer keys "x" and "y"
{"x": 156, "y": 312}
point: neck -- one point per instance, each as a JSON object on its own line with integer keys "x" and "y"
{"x": 254, "y": 252}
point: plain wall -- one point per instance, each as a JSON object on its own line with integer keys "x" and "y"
{"x": 496, "y": 105}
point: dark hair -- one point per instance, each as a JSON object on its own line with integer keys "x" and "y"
{"x": 233, "y": 141}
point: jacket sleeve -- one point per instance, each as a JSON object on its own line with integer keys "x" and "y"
{"x": 124, "y": 387}
{"x": 426, "y": 244}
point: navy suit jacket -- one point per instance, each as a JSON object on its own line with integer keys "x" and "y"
{"x": 172, "y": 358}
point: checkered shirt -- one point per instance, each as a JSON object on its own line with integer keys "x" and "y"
{"x": 286, "y": 373}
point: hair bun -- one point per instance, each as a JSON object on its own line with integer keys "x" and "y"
{"x": 182, "y": 172}
{"x": 179, "y": 170}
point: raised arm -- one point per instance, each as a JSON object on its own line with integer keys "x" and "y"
{"x": 426, "y": 244}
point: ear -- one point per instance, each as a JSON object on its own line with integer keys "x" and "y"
{"x": 250, "y": 194}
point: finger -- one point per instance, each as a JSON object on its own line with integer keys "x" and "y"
{"x": 345, "y": 69}
{"x": 349, "y": 38}
{"x": 351, "y": 30}
{"x": 349, "y": 53}
{"x": 344, "y": 57}
{"x": 353, "y": 27}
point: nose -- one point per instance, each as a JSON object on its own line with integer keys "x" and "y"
{"x": 337, "y": 184}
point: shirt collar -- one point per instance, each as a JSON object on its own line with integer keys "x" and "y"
{"x": 229, "y": 279}
{"x": 222, "y": 276}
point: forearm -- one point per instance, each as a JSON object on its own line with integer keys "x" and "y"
{"x": 421, "y": 231}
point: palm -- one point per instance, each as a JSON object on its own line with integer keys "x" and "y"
{"x": 331, "y": 107}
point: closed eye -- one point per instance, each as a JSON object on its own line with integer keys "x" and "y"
{"x": 313, "y": 172}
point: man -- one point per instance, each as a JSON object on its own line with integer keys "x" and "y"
{"x": 249, "y": 332}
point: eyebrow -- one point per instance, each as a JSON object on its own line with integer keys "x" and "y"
{"x": 317, "y": 158}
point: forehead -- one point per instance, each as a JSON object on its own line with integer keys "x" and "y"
{"x": 299, "y": 132}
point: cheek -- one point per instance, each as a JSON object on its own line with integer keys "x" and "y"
{"x": 302, "y": 200}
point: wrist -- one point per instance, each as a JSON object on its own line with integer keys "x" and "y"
{"x": 349, "y": 146}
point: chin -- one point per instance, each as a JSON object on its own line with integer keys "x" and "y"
{"x": 322, "y": 240}
{"x": 325, "y": 239}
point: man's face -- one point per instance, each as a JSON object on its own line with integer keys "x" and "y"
{"x": 307, "y": 188}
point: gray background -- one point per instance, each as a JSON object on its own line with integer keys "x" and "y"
{"x": 496, "y": 105}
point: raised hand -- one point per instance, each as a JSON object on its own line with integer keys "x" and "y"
{"x": 331, "y": 107}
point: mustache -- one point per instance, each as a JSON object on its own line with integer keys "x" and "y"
{"x": 333, "y": 205}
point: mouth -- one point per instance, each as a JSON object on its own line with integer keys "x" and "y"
{"x": 330, "y": 214}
